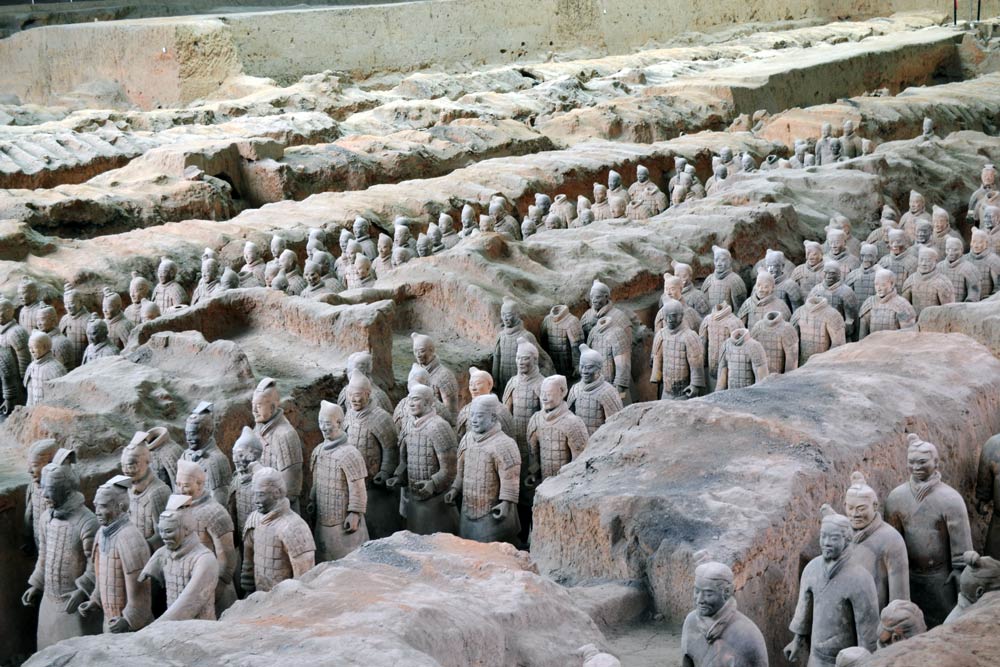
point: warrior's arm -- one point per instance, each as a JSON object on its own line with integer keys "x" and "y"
{"x": 199, "y": 591}
{"x": 225, "y": 552}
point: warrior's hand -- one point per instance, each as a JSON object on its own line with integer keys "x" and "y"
{"x": 794, "y": 648}
{"x": 119, "y": 625}
{"x": 77, "y": 598}
{"x": 379, "y": 478}
{"x": 88, "y": 606}
{"x": 31, "y": 596}
{"x": 451, "y": 496}
{"x": 352, "y": 522}
{"x": 502, "y": 510}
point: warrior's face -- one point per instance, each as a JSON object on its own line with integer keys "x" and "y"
{"x": 710, "y": 596}
{"x": 861, "y": 510}
{"x": 832, "y": 541}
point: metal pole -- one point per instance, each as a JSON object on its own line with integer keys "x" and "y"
{"x": 954, "y": 12}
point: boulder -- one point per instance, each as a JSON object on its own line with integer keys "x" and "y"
{"x": 980, "y": 320}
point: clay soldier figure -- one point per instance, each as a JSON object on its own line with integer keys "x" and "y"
{"x": 363, "y": 268}
{"x": 470, "y": 226}
{"x": 505, "y": 223}
{"x": 149, "y": 311}
{"x": 719, "y": 178}
{"x": 601, "y": 207}
{"x": 27, "y": 294}
{"x": 505, "y": 349}
{"x": 918, "y": 211}
{"x": 809, "y": 273}
{"x": 925, "y": 232}
{"x": 489, "y": 467}
{"x": 186, "y": 568}
{"x": 426, "y": 470}
{"x": 798, "y": 159}
{"x": 724, "y": 286}
{"x": 716, "y": 633}
{"x": 213, "y": 526}
{"x": 991, "y": 225}
{"x": 839, "y": 295}
{"x": 988, "y": 178}
{"x": 785, "y": 287}
{"x": 743, "y": 362}
{"x": 523, "y": 395}
{"x": 208, "y": 284}
{"x": 370, "y": 429}
{"x": 39, "y": 455}
{"x": 562, "y": 335}
{"x": 593, "y": 398}
{"x": 43, "y": 367}
{"x": 614, "y": 343}
{"x": 99, "y": 346}
{"x": 836, "y": 250}
{"x": 139, "y": 290}
{"x": 449, "y": 238}
{"x": 119, "y": 555}
{"x": 443, "y": 381}
{"x": 361, "y": 362}
{"x": 900, "y": 620}
{"x": 403, "y": 239}
{"x": 119, "y": 328}
{"x": 646, "y": 199}
{"x": 673, "y": 288}
{"x": 849, "y": 141}
{"x": 10, "y": 382}
{"x": 726, "y": 159}
{"x": 63, "y": 577}
{"x": 678, "y": 356}
{"x": 401, "y": 413}
{"x": 886, "y": 310}
{"x": 987, "y": 491}
{"x": 980, "y": 576}
{"x": 928, "y": 286}
{"x": 437, "y": 240}
{"x": 15, "y": 337}
{"x": 315, "y": 286}
{"x": 338, "y": 499}
{"x": 960, "y": 272}
{"x": 615, "y": 187}
{"x": 282, "y": 445}
{"x": 693, "y": 296}
{"x": 716, "y": 328}
{"x": 762, "y": 301}
{"x": 780, "y": 341}
{"x": 838, "y": 605}
{"x": 73, "y": 324}
{"x": 481, "y": 382}
{"x": 288, "y": 263}
{"x": 62, "y": 349}
{"x": 362, "y": 234}
{"x": 382, "y": 265}
{"x": 247, "y": 451}
{"x": 824, "y": 147}
{"x": 400, "y": 255}
{"x": 147, "y": 494}
{"x": 878, "y": 547}
{"x": 602, "y": 306}
{"x": 851, "y": 244}
{"x": 862, "y": 279}
{"x": 277, "y": 542}
{"x": 820, "y": 328}
{"x": 252, "y": 271}
{"x": 199, "y": 433}
{"x": 164, "y": 453}
{"x": 348, "y": 271}
{"x": 931, "y": 517}
{"x": 556, "y": 436}
{"x": 342, "y": 262}
{"x": 942, "y": 231}
{"x": 168, "y": 293}
{"x": 986, "y": 262}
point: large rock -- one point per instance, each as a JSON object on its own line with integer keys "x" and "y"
{"x": 980, "y": 320}
{"x": 436, "y": 601}
{"x": 740, "y": 475}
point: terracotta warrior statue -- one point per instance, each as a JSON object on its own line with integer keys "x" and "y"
{"x": 601, "y": 305}
{"x": 878, "y": 547}
{"x": 487, "y": 477}
{"x": 400, "y": 255}
{"x": 561, "y": 336}
{"x": 899, "y": 620}
{"x": 917, "y": 211}
{"x": 841, "y": 297}
{"x": 988, "y": 179}
{"x": 10, "y": 382}
{"x": 838, "y": 605}
{"x": 282, "y": 445}
{"x": 836, "y": 250}
{"x": 505, "y": 349}
{"x": 931, "y": 517}
{"x": 427, "y": 451}
{"x": 199, "y": 433}
{"x": 505, "y": 223}
{"x": 942, "y": 231}
{"x": 119, "y": 555}
{"x": 43, "y": 367}
{"x": 62, "y": 349}
{"x": 886, "y": 310}
{"x": 252, "y": 272}
{"x": 186, "y": 568}
{"x": 98, "y": 345}
{"x": 147, "y": 494}
{"x": 645, "y": 197}
{"x": 673, "y": 288}
{"x": 727, "y": 158}
{"x": 401, "y": 413}
{"x": 481, "y": 382}
{"x": 743, "y": 362}
{"x": 168, "y": 293}
{"x": 809, "y": 273}
{"x": 288, "y": 264}
{"x": 678, "y": 356}
{"x": 960, "y": 272}
{"x": 716, "y": 633}
{"x": 382, "y": 264}
{"x": 762, "y": 301}
{"x": 986, "y": 262}
{"x": 315, "y": 285}
{"x": 208, "y": 284}
{"x": 820, "y": 326}
{"x": 523, "y": 397}
{"x": 928, "y": 286}
{"x": 247, "y": 451}
{"x": 14, "y": 337}
{"x": 601, "y": 207}
{"x": 345, "y": 264}
{"x": 164, "y": 453}
{"x": 27, "y": 295}
{"x": 362, "y": 234}
{"x": 693, "y": 296}
{"x": 73, "y": 324}
{"x": 824, "y": 146}
{"x": 449, "y": 237}
{"x": 443, "y": 381}
{"x": 139, "y": 290}
{"x": 980, "y": 576}
{"x": 213, "y": 527}
{"x": 718, "y": 179}
{"x": 724, "y": 286}
{"x": 371, "y": 430}
{"x": 278, "y": 245}
{"x": 614, "y": 343}
{"x": 716, "y": 328}
{"x": 556, "y": 436}
{"x": 149, "y": 311}
{"x": 780, "y": 341}
{"x": 337, "y": 499}
{"x": 785, "y": 288}
{"x": 988, "y": 491}
{"x": 63, "y": 577}
{"x": 39, "y": 455}
{"x": 361, "y": 362}
{"x": 277, "y": 542}
{"x": 119, "y": 327}
{"x": 593, "y": 398}
{"x": 862, "y": 279}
